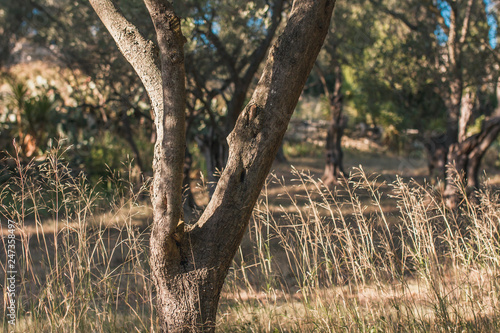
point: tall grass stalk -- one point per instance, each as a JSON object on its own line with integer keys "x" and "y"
{"x": 81, "y": 261}
{"x": 365, "y": 256}
{"x": 345, "y": 262}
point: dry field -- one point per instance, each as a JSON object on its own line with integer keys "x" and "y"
{"x": 378, "y": 253}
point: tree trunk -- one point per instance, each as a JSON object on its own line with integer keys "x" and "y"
{"x": 334, "y": 167}
{"x": 334, "y": 156}
{"x": 455, "y": 173}
{"x": 188, "y": 300}
{"x": 474, "y": 158}
{"x": 190, "y": 262}
{"x": 436, "y": 148}
{"x": 280, "y": 156}
{"x": 189, "y": 203}
{"x": 454, "y": 121}
{"x": 466, "y": 159}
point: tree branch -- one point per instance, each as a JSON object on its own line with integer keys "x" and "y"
{"x": 260, "y": 52}
{"x": 137, "y": 50}
{"x": 396, "y": 15}
{"x": 260, "y": 128}
{"x": 171, "y": 138}
{"x": 465, "y": 23}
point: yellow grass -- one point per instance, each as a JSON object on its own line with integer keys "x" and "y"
{"x": 371, "y": 255}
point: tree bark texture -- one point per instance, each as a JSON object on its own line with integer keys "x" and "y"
{"x": 190, "y": 261}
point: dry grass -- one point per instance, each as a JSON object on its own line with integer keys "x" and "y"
{"x": 79, "y": 270}
{"x": 337, "y": 263}
{"x": 367, "y": 256}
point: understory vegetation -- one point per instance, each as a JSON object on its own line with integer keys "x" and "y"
{"x": 314, "y": 258}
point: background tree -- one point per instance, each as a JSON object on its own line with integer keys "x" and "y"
{"x": 67, "y": 32}
{"x": 226, "y": 61}
{"x": 450, "y": 45}
{"x": 343, "y": 48}
{"x": 189, "y": 264}
{"x": 225, "y": 50}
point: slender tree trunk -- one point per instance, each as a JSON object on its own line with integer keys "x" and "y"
{"x": 189, "y": 204}
{"x": 280, "y": 156}
{"x": 474, "y": 158}
{"x": 334, "y": 166}
{"x": 334, "y": 155}
{"x": 436, "y": 155}
{"x": 453, "y": 155}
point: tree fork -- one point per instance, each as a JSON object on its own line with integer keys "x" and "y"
{"x": 189, "y": 265}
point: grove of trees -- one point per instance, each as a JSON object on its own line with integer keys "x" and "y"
{"x": 213, "y": 85}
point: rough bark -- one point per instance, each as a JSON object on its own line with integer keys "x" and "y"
{"x": 189, "y": 264}
{"x": 254, "y": 142}
{"x": 168, "y": 167}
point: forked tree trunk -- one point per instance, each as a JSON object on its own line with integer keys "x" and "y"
{"x": 451, "y": 65}
{"x": 466, "y": 157}
{"x": 465, "y": 153}
{"x": 189, "y": 261}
